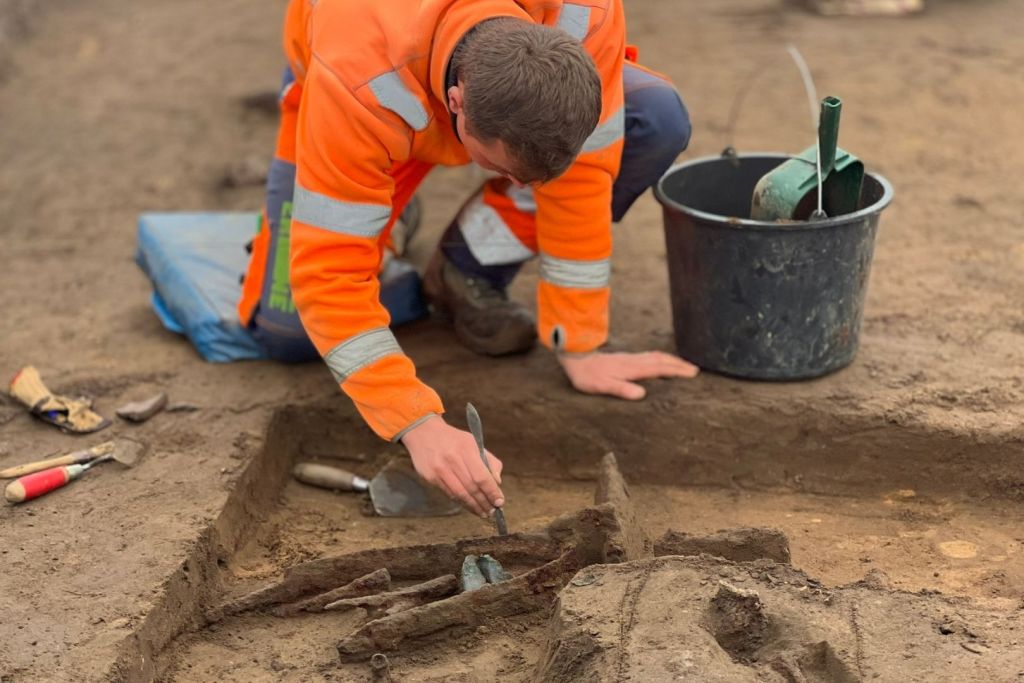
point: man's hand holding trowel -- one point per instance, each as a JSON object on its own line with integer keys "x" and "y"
{"x": 459, "y": 469}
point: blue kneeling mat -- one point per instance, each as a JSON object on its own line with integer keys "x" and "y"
{"x": 196, "y": 260}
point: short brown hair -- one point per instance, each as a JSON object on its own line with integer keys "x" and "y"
{"x": 534, "y": 88}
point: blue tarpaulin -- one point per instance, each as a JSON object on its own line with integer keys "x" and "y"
{"x": 195, "y": 261}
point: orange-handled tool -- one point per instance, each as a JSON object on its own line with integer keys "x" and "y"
{"x": 36, "y": 484}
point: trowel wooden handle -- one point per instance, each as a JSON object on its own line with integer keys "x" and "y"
{"x": 327, "y": 477}
{"x": 34, "y": 485}
{"x": 31, "y": 467}
{"x": 76, "y": 458}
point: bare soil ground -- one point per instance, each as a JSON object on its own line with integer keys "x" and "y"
{"x": 908, "y": 462}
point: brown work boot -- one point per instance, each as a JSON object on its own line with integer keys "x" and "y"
{"x": 485, "y": 320}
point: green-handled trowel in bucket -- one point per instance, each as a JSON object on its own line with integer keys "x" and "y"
{"x": 789, "y": 192}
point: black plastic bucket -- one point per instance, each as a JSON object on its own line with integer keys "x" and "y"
{"x": 763, "y": 300}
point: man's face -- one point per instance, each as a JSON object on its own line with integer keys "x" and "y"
{"x": 491, "y": 156}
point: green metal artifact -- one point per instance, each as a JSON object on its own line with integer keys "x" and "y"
{"x": 789, "y": 192}
{"x": 492, "y": 569}
{"x": 471, "y": 578}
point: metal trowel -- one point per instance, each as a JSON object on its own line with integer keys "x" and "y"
{"x": 396, "y": 491}
{"x": 789, "y": 192}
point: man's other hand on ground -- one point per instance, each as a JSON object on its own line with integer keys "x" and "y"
{"x": 616, "y": 374}
{"x": 449, "y": 459}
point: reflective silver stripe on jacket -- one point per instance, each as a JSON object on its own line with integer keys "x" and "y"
{"x": 574, "y": 20}
{"x": 348, "y": 218}
{"x": 489, "y": 239}
{"x": 522, "y": 197}
{"x": 392, "y": 94}
{"x": 609, "y": 132}
{"x": 356, "y": 353}
{"x": 575, "y": 274}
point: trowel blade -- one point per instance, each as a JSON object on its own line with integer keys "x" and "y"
{"x": 397, "y": 491}
{"x": 127, "y": 452}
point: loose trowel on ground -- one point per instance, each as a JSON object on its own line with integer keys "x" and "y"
{"x": 38, "y": 483}
{"x": 396, "y": 491}
{"x": 77, "y": 458}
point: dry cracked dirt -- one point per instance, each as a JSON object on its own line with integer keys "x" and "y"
{"x": 894, "y": 486}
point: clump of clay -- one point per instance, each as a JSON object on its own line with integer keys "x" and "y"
{"x": 743, "y": 544}
{"x": 737, "y": 620}
{"x": 876, "y": 579}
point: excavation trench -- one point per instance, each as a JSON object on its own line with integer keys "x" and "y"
{"x": 858, "y": 516}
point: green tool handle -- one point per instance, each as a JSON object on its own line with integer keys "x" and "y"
{"x": 828, "y": 133}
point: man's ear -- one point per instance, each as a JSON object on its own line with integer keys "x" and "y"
{"x": 455, "y": 98}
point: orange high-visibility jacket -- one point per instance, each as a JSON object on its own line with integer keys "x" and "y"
{"x": 372, "y": 120}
